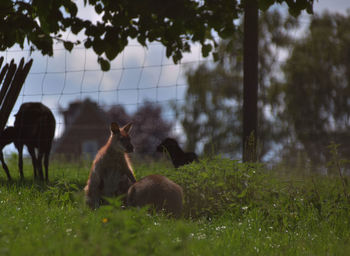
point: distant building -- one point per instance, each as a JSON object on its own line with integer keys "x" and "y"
{"x": 86, "y": 130}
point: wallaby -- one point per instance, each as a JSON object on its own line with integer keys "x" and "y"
{"x": 157, "y": 191}
{"x": 177, "y": 155}
{"x": 34, "y": 127}
{"x": 111, "y": 172}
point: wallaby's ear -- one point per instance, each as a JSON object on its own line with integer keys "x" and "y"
{"x": 127, "y": 127}
{"x": 115, "y": 128}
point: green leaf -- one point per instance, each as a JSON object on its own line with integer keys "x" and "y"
{"x": 216, "y": 56}
{"x": 98, "y": 46}
{"x": 99, "y": 8}
{"x": 142, "y": 39}
{"x": 68, "y": 45}
{"x": 73, "y": 9}
{"x": 206, "y": 48}
{"x": 264, "y": 5}
{"x": 169, "y": 51}
{"x": 88, "y": 43}
{"x": 242, "y": 194}
{"x": 105, "y": 65}
{"x": 76, "y": 28}
{"x": 111, "y": 52}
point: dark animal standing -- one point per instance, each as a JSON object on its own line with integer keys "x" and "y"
{"x": 177, "y": 155}
{"x": 157, "y": 191}
{"x": 34, "y": 127}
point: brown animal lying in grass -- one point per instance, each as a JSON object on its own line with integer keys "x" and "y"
{"x": 157, "y": 191}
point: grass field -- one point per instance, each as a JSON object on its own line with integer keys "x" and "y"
{"x": 230, "y": 209}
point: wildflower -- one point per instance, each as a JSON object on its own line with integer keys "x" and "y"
{"x": 244, "y": 208}
{"x": 68, "y": 231}
{"x": 220, "y": 228}
{"x": 104, "y": 220}
{"x": 177, "y": 240}
{"x": 201, "y": 236}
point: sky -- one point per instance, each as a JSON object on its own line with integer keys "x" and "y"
{"x": 339, "y": 6}
{"x": 138, "y": 74}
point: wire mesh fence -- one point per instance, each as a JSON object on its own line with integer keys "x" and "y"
{"x": 136, "y": 76}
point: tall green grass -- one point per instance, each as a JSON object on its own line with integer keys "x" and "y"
{"x": 230, "y": 209}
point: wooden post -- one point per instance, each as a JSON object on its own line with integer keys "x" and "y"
{"x": 250, "y": 81}
{"x": 11, "y": 87}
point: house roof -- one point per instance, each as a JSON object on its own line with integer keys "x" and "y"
{"x": 72, "y": 115}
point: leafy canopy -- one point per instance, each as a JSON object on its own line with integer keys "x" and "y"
{"x": 174, "y": 23}
{"x": 316, "y": 91}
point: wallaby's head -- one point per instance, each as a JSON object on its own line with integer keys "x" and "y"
{"x": 7, "y": 136}
{"x": 167, "y": 144}
{"x": 120, "y": 138}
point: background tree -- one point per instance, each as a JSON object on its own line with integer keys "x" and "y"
{"x": 250, "y": 70}
{"x": 316, "y": 92}
{"x": 117, "y": 113}
{"x": 212, "y": 115}
{"x": 149, "y": 128}
{"x": 173, "y": 23}
{"x": 36, "y": 23}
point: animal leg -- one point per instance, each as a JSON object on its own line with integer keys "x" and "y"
{"x": 46, "y": 164}
{"x": 34, "y": 160}
{"x": 6, "y": 169}
{"x": 20, "y": 161}
{"x": 40, "y": 166}
{"x": 93, "y": 190}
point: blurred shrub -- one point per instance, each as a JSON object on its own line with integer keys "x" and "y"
{"x": 221, "y": 186}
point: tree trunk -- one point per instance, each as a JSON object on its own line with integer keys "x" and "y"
{"x": 250, "y": 81}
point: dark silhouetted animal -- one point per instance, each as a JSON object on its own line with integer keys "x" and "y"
{"x": 157, "y": 191}
{"x": 34, "y": 127}
{"x": 111, "y": 172}
{"x": 177, "y": 155}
